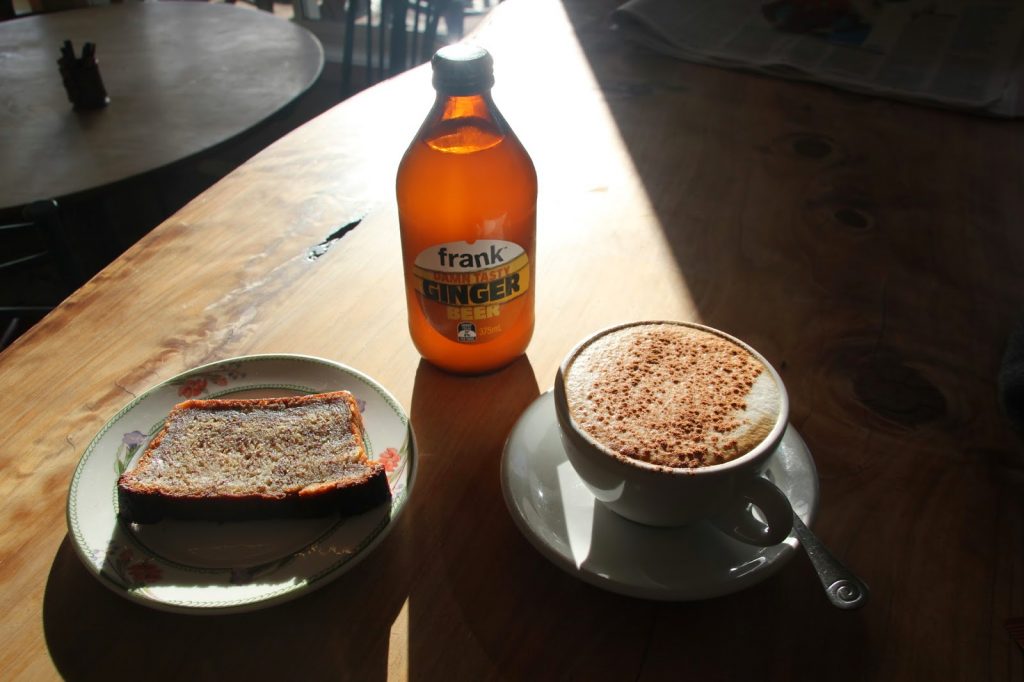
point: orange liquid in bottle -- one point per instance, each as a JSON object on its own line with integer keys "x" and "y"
{"x": 467, "y": 195}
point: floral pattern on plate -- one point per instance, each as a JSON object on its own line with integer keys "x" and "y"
{"x": 194, "y": 384}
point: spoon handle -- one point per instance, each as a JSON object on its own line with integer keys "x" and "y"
{"x": 844, "y": 589}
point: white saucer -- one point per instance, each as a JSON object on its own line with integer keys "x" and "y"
{"x": 557, "y": 513}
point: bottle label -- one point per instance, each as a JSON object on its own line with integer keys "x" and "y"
{"x": 465, "y": 290}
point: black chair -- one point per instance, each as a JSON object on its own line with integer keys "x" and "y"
{"x": 377, "y": 39}
{"x": 39, "y": 268}
{"x": 398, "y": 35}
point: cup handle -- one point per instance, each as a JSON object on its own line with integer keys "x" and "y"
{"x": 774, "y": 506}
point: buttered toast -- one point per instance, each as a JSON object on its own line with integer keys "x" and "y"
{"x": 234, "y": 460}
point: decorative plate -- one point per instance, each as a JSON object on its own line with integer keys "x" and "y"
{"x": 198, "y": 567}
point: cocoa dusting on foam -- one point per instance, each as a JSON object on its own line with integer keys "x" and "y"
{"x": 672, "y": 395}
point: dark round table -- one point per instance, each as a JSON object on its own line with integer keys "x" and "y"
{"x": 182, "y": 78}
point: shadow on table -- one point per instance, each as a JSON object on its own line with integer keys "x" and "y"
{"x": 461, "y": 518}
{"x": 91, "y": 633}
{"x": 808, "y": 222}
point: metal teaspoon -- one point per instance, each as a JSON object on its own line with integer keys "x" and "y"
{"x": 844, "y": 589}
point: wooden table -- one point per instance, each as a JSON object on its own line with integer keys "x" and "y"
{"x": 870, "y": 249}
{"x": 182, "y": 77}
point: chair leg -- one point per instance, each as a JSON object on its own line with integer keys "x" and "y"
{"x": 454, "y": 19}
{"x": 46, "y": 215}
{"x": 398, "y": 52}
{"x": 10, "y": 333}
{"x": 348, "y": 48}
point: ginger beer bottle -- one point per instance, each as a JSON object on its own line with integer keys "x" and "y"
{"x": 467, "y": 206}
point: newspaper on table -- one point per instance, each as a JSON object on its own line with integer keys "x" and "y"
{"x": 959, "y": 54}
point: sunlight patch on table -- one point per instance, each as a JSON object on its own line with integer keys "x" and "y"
{"x": 398, "y": 645}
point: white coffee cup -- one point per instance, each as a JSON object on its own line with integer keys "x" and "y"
{"x": 656, "y": 494}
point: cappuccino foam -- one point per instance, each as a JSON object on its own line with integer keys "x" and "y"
{"x": 672, "y": 395}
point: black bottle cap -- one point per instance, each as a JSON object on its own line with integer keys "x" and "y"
{"x": 462, "y": 69}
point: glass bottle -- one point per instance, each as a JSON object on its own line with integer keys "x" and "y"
{"x": 467, "y": 206}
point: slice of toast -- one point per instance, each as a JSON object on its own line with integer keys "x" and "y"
{"x": 236, "y": 460}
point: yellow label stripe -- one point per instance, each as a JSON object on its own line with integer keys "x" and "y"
{"x": 515, "y": 265}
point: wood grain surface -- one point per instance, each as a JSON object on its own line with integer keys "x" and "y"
{"x": 868, "y": 248}
{"x": 182, "y": 77}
